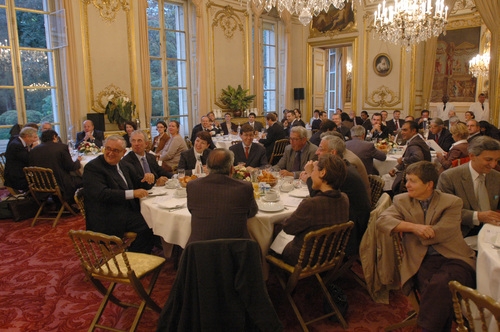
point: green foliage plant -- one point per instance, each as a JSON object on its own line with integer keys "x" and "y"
{"x": 119, "y": 109}
{"x": 236, "y": 98}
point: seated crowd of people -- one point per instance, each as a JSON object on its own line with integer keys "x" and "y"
{"x": 430, "y": 197}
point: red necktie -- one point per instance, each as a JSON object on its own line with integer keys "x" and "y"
{"x": 397, "y": 124}
{"x": 436, "y": 138}
{"x": 246, "y": 151}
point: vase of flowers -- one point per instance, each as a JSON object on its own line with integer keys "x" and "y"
{"x": 119, "y": 109}
{"x": 241, "y": 173}
{"x": 88, "y": 148}
{"x": 385, "y": 145}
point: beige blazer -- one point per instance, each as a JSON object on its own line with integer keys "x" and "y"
{"x": 444, "y": 215}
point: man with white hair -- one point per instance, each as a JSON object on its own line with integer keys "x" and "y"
{"x": 17, "y": 157}
{"x": 297, "y": 153}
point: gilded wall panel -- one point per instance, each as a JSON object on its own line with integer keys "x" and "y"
{"x": 229, "y": 48}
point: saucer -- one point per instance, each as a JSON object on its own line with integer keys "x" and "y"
{"x": 271, "y": 206}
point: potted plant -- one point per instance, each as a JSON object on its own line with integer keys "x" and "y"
{"x": 119, "y": 109}
{"x": 236, "y": 99}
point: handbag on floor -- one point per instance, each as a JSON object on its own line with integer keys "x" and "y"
{"x": 22, "y": 207}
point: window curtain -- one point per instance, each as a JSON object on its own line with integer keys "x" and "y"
{"x": 144, "y": 62}
{"x": 201, "y": 57}
{"x": 430, "y": 57}
{"x": 490, "y": 12}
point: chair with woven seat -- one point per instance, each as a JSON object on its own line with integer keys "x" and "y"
{"x": 278, "y": 150}
{"x": 327, "y": 254}
{"x": 462, "y": 297}
{"x": 42, "y": 181}
{"x": 376, "y": 187}
{"x": 79, "y": 200}
{"x": 104, "y": 258}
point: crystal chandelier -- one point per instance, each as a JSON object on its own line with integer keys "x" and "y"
{"x": 479, "y": 65}
{"x": 306, "y": 9}
{"x": 410, "y": 21}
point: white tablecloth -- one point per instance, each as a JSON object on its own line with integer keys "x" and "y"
{"x": 175, "y": 227}
{"x": 488, "y": 266}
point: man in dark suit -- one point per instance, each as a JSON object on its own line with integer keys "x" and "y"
{"x": 376, "y": 128}
{"x": 17, "y": 157}
{"x": 252, "y": 154}
{"x": 423, "y": 119}
{"x": 395, "y": 123}
{"x": 89, "y": 134}
{"x": 440, "y": 134}
{"x": 416, "y": 150}
{"x": 297, "y": 153}
{"x": 477, "y": 184}
{"x": 54, "y": 155}
{"x": 112, "y": 193}
{"x": 274, "y": 132}
{"x": 142, "y": 162}
{"x": 366, "y": 151}
{"x": 199, "y": 151}
{"x": 474, "y": 130}
{"x": 227, "y": 126}
{"x": 203, "y": 126}
{"x": 223, "y": 215}
{"x": 337, "y": 119}
{"x": 256, "y": 125}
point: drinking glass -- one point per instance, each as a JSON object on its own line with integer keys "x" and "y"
{"x": 181, "y": 173}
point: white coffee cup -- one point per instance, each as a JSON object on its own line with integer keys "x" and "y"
{"x": 497, "y": 240}
{"x": 180, "y": 192}
{"x": 272, "y": 195}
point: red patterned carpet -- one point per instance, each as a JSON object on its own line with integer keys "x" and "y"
{"x": 42, "y": 288}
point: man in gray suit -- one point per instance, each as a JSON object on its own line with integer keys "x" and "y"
{"x": 297, "y": 154}
{"x": 477, "y": 184}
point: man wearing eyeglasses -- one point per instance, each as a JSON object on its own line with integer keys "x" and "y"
{"x": 297, "y": 153}
{"x": 112, "y": 192}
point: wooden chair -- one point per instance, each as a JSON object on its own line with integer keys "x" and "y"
{"x": 462, "y": 297}
{"x": 327, "y": 254}
{"x": 411, "y": 319}
{"x": 460, "y": 161}
{"x": 278, "y": 150}
{"x": 11, "y": 190}
{"x": 189, "y": 144}
{"x": 42, "y": 181}
{"x": 376, "y": 187}
{"x": 104, "y": 258}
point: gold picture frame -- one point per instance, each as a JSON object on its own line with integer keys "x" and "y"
{"x": 382, "y": 64}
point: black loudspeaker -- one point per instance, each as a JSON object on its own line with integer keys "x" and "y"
{"x": 97, "y": 119}
{"x": 298, "y": 93}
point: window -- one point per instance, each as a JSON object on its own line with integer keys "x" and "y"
{"x": 29, "y": 82}
{"x": 269, "y": 55}
{"x": 168, "y": 64}
{"x": 333, "y": 83}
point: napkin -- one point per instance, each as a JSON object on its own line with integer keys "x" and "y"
{"x": 173, "y": 203}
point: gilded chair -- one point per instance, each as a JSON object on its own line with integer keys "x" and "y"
{"x": 327, "y": 254}
{"x": 80, "y": 201}
{"x": 42, "y": 181}
{"x": 104, "y": 258}
{"x": 189, "y": 144}
{"x": 462, "y": 298}
{"x": 376, "y": 187}
{"x": 278, "y": 150}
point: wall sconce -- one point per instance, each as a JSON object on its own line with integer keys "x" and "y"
{"x": 348, "y": 68}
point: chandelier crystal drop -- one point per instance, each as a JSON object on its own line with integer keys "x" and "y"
{"x": 479, "y": 65}
{"x": 409, "y": 22}
{"x": 305, "y": 9}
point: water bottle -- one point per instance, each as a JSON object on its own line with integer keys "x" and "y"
{"x": 239, "y": 129}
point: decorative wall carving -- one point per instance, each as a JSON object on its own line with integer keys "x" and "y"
{"x": 228, "y": 21}
{"x": 109, "y": 8}
{"x": 383, "y": 97}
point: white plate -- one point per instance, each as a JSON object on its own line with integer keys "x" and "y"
{"x": 301, "y": 193}
{"x": 471, "y": 242}
{"x": 172, "y": 204}
{"x": 271, "y": 206}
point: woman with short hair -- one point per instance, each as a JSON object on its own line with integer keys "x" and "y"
{"x": 171, "y": 152}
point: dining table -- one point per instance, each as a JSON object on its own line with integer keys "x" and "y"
{"x": 167, "y": 215}
{"x": 488, "y": 267}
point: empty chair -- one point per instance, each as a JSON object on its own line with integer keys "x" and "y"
{"x": 327, "y": 253}
{"x": 79, "y": 199}
{"x": 104, "y": 258}
{"x": 42, "y": 181}
{"x": 487, "y": 307}
{"x": 278, "y": 150}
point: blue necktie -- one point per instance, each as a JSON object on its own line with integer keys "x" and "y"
{"x": 145, "y": 165}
